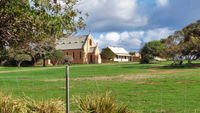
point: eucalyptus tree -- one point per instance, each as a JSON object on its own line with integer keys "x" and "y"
{"x": 27, "y": 23}
{"x": 184, "y": 44}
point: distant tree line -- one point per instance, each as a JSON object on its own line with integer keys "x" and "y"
{"x": 182, "y": 45}
{"x": 29, "y": 29}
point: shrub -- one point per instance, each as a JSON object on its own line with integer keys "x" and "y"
{"x": 10, "y": 105}
{"x": 146, "y": 59}
{"x": 99, "y": 103}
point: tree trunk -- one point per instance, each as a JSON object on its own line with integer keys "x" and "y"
{"x": 189, "y": 61}
{"x": 44, "y": 63}
{"x": 56, "y": 63}
{"x": 181, "y": 62}
{"x": 19, "y": 64}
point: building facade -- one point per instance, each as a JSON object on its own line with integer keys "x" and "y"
{"x": 81, "y": 49}
{"x": 120, "y": 54}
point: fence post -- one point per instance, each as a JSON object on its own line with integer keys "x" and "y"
{"x": 67, "y": 88}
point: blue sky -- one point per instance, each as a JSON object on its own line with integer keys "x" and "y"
{"x": 131, "y": 23}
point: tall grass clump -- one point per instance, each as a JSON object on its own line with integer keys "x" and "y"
{"x": 11, "y": 105}
{"x": 99, "y": 103}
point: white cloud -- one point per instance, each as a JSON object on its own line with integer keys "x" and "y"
{"x": 115, "y": 14}
{"x": 157, "y": 34}
{"x": 132, "y": 40}
{"x": 162, "y": 3}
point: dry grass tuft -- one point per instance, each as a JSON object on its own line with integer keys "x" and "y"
{"x": 99, "y": 103}
{"x": 11, "y": 105}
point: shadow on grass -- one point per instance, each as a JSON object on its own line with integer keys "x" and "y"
{"x": 162, "y": 66}
{"x": 183, "y": 66}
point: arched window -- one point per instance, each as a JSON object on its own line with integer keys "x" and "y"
{"x": 90, "y": 42}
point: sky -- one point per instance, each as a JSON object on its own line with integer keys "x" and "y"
{"x": 132, "y": 23}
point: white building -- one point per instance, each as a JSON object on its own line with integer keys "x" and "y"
{"x": 121, "y": 55}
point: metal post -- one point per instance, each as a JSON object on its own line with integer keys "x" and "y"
{"x": 67, "y": 88}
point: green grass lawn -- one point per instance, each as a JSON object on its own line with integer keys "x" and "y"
{"x": 150, "y": 88}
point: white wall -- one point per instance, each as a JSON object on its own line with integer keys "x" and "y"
{"x": 121, "y": 59}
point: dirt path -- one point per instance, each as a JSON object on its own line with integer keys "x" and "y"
{"x": 120, "y": 77}
{"x": 138, "y": 76}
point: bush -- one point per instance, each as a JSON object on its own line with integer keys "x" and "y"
{"x": 99, "y": 103}
{"x": 146, "y": 59}
{"x": 10, "y": 105}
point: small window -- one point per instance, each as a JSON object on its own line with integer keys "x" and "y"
{"x": 67, "y": 53}
{"x": 69, "y": 42}
{"x": 55, "y": 1}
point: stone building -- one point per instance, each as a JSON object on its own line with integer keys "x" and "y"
{"x": 82, "y": 49}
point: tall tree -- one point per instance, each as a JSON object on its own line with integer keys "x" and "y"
{"x": 22, "y": 22}
{"x": 184, "y": 44}
{"x": 173, "y": 48}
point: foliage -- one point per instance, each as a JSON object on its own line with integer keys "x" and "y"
{"x": 36, "y": 24}
{"x": 146, "y": 59}
{"x": 150, "y": 50}
{"x": 56, "y": 56}
{"x": 22, "y": 57}
{"x": 22, "y": 22}
{"x": 184, "y": 44}
{"x": 43, "y": 49}
{"x": 99, "y": 103}
{"x": 132, "y": 53}
{"x": 173, "y": 50}
{"x": 107, "y": 54}
{"x": 18, "y": 55}
{"x": 3, "y": 56}
{"x": 11, "y": 105}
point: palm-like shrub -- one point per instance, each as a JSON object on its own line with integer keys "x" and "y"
{"x": 99, "y": 103}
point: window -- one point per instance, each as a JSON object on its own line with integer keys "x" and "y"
{"x": 55, "y": 1}
{"x": 90, "y": 42}
{"x": 73, "y": 55}
{"x": 67, "y": 53}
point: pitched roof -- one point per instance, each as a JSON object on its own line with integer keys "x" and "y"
{"x": 72, "y": 42}
{"x": 119, "y": 51}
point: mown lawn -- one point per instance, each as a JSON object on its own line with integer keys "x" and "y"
{"x": 153, "y": 88}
